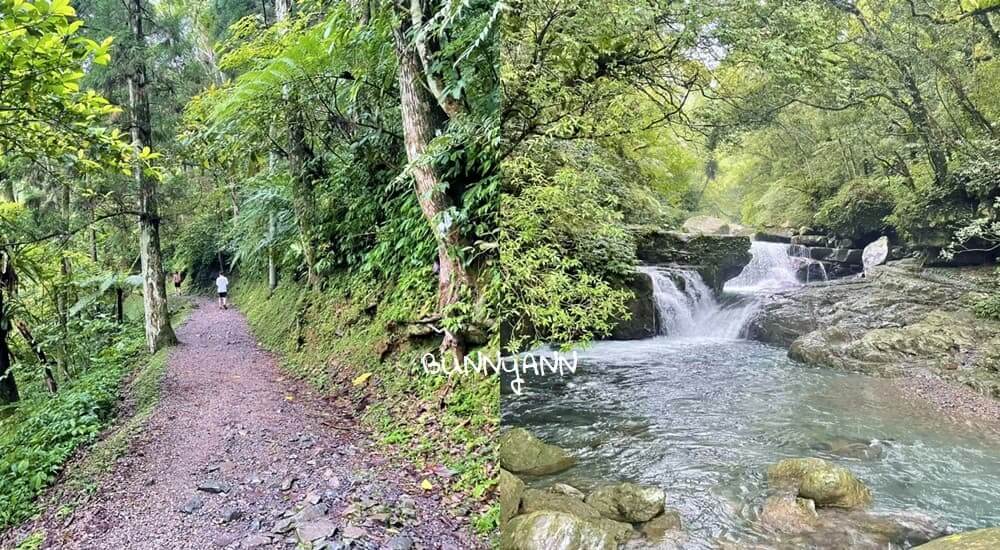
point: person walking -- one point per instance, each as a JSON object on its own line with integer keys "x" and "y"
{"x": 178, "y": 278}
{"x": 222, "y": 285}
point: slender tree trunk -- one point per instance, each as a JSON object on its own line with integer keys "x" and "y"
{"x": 272, "y": 265}
{"x": 8, "y": 386}
{"x": 421, "y": 118}
{"x": 119, "y": 305}
{"x": 43, "y": 359}
{"x": 984, "y": 20}
{"x": 7, "y": 189}
{"x": 302, "y": 165}
{"x": 62, "y": 293}
{"x": 159, "y": 333}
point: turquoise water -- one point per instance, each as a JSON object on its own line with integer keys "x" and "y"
{"x": 703, "y": 419}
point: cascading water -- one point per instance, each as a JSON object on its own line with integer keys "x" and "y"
{"x": 771, "y": 268}
{"x": 686, "y": 307}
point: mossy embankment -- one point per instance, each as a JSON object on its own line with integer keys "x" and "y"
{"x": 359, "y": 342}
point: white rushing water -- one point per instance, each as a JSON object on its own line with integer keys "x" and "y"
{"x": 686, "y": 306}
{"x": 770, "y": 269}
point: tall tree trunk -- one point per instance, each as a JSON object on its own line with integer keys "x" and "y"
{"x": 422, "y": 117}
{"x": 119, "y": 305}
{"x": 302, "y": 165}
{"x": 8, "y": 386}
{"x": 43, "y": 359}
{"x": 159, "y": 333}
{"x": 62, "y": 293}
{"x": 272, "y": 264}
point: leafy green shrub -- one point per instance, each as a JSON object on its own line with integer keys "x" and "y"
{"x": 37, "y": 440}
{"x": 857, "y": 210}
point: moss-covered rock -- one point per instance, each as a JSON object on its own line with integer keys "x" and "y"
{"x": 823, "y": 482}
{"x": 641, "y": 321}
{"x": 521, "y": 452}
{"x": 560, "y": 531}
{"x": 980, "y": 539}
{"x": 717, "y": 258}
{"x": 511, "y": 489}
{"x": 627, "y": 502}
{"x": 535, "y": 500}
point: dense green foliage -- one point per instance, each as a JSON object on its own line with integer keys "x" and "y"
{"x": 853, "y": 119}
{"x": 43, "y": 433}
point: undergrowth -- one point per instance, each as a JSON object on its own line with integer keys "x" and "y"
{"x": 350, "y": 341}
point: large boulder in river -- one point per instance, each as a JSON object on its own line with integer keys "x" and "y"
{"x": 641, "y": 322}
{"x": 717, "y": 258}
{"x": 823, "y": 482}
{"x": 561, "y": 531}
{"x": 522, "y": 453}
{"x": 535, "y": 500}
{"x": 876, "y": 253}
{"x": 627, "y": 502}
{"x": 980, "y": 539}
{"x": 511, "y": 489}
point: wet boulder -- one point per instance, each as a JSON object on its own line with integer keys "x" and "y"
{"x": 876, "y": 253}
{"x": 980, "y": 539}
{"x": 641, "y": 320}
{"x": 522, "y": 453}
{"x": 848, "y": 447}
{"x": 561, "y": 531}
{"x": 511, "y": 489}
{"x": 566, "y": 490}
{"x": 627, "y": 502}
{"x": 788, "y": 514}
{"x": 535, "y": 500}
{"x": 823, "y": 482}
{"x": 657, "y": 528}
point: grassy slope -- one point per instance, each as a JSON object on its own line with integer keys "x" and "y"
{"x": 336, "y": 338}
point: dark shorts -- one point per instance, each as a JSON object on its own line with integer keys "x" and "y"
{"x": 223, "y": 294}
{"x": 177, "y": 284}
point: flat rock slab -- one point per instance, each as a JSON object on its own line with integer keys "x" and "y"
{"x": 234, "y": 433}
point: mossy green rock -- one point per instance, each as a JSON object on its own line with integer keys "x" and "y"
{"x": 560, "y": 531}
{"x": 511, "y": 489}
{"x": 823, "y": 482}
{"x": 538, "y": 501}
{"x": 523, "y": 453}
{"x": 980, "y": 539}
{"x": 627, "y": 502}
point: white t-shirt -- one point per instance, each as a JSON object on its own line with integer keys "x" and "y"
{"x": 222, "y": 283}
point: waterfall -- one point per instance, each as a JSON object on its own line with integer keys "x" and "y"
{"x": 771, "y": 268}
{"x": 686, "y": 306}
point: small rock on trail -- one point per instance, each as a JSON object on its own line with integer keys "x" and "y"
{"x": 233, "y": 459}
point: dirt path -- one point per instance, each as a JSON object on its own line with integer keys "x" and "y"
{"x": 229, "y": 421}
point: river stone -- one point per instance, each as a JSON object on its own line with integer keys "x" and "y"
{"x": 510, "y": 488}
{"x": 641, "y": 319}
{"x": 657, "y": 528}
{"x": 980, "y": 539}
{"x": 717, "y": 258}
{"x": 557, "y": 531}
{"x": 875, "y": 253}
{"x": 627, "y": 502}
{"x": 523, "y": 453}
{"x": 567, "y": 490}
{"x": 535, "y": 500}
{"x": 825, "y": 483}
{"x": 788, "y": 514}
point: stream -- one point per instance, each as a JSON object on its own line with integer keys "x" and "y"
{"x": 702, "y": 414}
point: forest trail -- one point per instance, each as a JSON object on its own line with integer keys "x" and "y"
{"x": 229, "y": 421}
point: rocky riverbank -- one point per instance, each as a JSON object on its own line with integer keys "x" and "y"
{"x": 899, "y": 320}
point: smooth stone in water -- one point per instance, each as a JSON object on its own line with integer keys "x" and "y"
{"x": 538, "y": 501}
{"x": 823, "y": 482}
{"x": 567, "y": 490}
{"x": 980, "y": 539}
{"x": 627, "y": 502}
{"x": 511, "y": 488}
{"x": 523, "y": 453}
{"x": 560, "y": 531}
{"x": 657, "y": 528}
